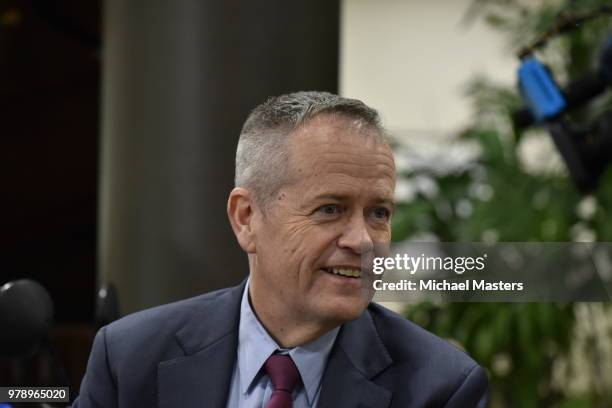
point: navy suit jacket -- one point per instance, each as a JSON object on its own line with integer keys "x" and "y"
{"x": 182, "y": 355}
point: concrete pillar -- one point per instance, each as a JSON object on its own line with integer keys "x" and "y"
{"x": 179, "y": 78}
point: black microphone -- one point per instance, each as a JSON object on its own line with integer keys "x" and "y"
{"x": 107, "y": 306}
{"x": 26, "y": 315}
{"x": 605, "y": 59}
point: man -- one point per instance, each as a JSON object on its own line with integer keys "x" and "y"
{"x": 314, "y": 195}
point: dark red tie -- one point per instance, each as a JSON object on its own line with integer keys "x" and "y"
{"x": 284, "y": 376}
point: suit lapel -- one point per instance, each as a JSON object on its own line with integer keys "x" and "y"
{"x": 356, "y": 358}
{"x": 209, "y": 340}
{"x": 201, "y": 380}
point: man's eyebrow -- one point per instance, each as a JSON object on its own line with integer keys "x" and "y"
{"x": 341, "y": 197}
{"x": 389, "y": 201}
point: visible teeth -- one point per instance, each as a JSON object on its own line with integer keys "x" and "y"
{"x": 355, "y": 273}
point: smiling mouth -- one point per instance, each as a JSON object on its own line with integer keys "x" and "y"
{"x": 346, "y": 272}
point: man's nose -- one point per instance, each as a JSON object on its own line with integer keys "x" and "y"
{"x": 356, "y": 236}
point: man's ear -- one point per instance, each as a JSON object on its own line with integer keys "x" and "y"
{"x": 240, "y": 209}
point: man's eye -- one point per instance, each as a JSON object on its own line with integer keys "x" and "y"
{"x": 329, "y": 209}
{"x": 381, "y": 213}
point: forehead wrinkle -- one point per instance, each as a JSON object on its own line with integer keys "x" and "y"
{"x": 344, "y": 178}
{"x": 354, "y": 145}
{"x": 339, "y": 162}
{"x": 351, "y": 170}
{"x": 374, "y": 158}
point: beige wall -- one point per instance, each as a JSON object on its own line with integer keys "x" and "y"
{"x": 411, "y": 58}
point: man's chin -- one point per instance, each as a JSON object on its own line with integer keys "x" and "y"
{"x": 344, "y": 312}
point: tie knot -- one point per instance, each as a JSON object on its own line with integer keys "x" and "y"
{"x": 282, "y": 372}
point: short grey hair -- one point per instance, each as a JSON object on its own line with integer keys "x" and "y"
{"x": 261, "y": 156}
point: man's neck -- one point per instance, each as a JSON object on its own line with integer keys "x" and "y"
{"x": 284, "y": 328}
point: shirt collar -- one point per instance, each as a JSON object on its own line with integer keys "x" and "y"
{"x": 255, "y": 346}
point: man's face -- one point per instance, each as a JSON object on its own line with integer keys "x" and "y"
{"x": 316, "y": 229}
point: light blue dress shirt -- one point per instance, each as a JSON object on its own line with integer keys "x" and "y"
{"x": 251, "y": 387}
